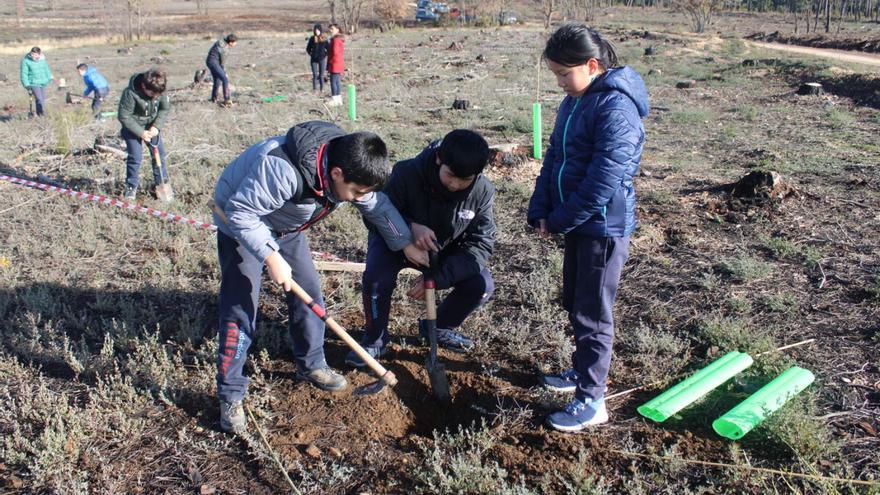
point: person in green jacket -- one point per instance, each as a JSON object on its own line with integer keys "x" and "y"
{"x": 35, "y": 76}
{"x": 143, "y": 108}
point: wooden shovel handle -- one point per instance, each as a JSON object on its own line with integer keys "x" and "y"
{"x": 384, "y": 375}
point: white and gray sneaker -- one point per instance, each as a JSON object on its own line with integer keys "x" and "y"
{"x": 232, "y": 417}
{"x": 325, "y": 378}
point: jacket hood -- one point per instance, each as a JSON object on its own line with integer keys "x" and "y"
{"x": 627, "y": 81}
{"x": 301, "y": 145}
{"x": 90, "y": 70}
{"x": 134, "y": 85}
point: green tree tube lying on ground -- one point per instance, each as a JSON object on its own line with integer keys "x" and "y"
{"x": 683, "y": 394}
{"x": 734, "y": 424}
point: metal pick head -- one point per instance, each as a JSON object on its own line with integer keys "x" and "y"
{"x": 369, "y": 389}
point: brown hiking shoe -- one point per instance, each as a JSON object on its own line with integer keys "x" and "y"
{"x": 325, "y": 378}
{"x": 232, "y": 417}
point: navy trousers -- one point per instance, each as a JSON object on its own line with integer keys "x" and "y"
{"x": 380, "y": 280}
{"x": 241, "y": 275}
{"x": 335, "y": 83}
{"x": 220, "y": 77}
{"x": 135, "y": 154}
{"x": 98, "y": 98}
{"x": 590, "y": 274}
{"x": 39, "y": 98}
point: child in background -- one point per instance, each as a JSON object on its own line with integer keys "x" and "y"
{"x": 317, "y": 49}
{"x": 216, "y": 62}
{"x": 585, "y": 192}
{"x": 95, "y": 83}
{"x": 336, "y": 63}
{"x": 143, "y": 109}
{"x": 268, "y": 197}
{"x": 35, "y": 76}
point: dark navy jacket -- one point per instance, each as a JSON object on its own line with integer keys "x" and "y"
{"x": 463, "y": 221}
{"x": 586, "y": 183}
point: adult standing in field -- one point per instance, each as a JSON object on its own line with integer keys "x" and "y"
{"x": 585, "y": 192}
{"x": 317, "y": 48}
{"x": 35, "y": 76}
{"x": 95, "y": 83}
{"x": 143, "y": 109}
{"x": 336, "y": 63}
{"x": 216, "y": 62}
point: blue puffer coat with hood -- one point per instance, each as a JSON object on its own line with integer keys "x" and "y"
{"x": 586, "y": 183}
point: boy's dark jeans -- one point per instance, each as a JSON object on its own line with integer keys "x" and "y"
{"x": 100, "y": 94}
{"x": 39, "y": 98}
{"x": 380, "y": 279}
{"x": 590, "y": 274}
{"x": 318, "y": 70}
{"x": 241, "y": 276}
{"x": 220, "y": 77}
{"x": 334, "y": 83}
{"x": 134, "y": 146}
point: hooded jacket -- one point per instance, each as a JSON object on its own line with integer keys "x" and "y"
{"x": 336, "y": 55}
{"x": 93, "y": 80}
{"x": 317, "y": 48}
{"x": 137, "y": 112}
{"x": 281, "y": 185}
{"x": 586, "y": 183}
{"x": 35, "y": 72}
{"x": 463, "y": 221}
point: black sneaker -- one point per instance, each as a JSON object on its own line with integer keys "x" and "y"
{"x": 446, "y": 338}
{"x": 352, "y": 359}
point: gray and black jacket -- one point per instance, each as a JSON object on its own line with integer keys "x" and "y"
{"x": 218, "y": 53}
{"x": 463, "y": 221}
{"x": 277, "y": 187}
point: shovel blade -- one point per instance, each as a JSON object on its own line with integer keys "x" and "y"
{"x": 369, "y": 389}
{"x": 164, "y": 192}
{"x": 439, "y": 382}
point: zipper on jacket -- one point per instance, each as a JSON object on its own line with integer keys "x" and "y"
{"x": 577, "y": 102}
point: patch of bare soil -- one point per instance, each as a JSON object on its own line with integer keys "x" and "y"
{"x": 870, "y": 45}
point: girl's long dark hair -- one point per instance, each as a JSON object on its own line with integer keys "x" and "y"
{"x": 574, "y": 44}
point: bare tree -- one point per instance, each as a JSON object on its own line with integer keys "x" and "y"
{"x": 332, "y": 5}
{"x": 202, "y": 7}
{"x": 548, "y": 8}
{"x": 698, "y": 11}
{"x": 19, "y": 11}
{"x": 390, "y": 12}
{"x": 349, "y": 12}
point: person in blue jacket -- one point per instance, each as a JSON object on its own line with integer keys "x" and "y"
{"x": 585, "y": 192}
{"x": 95, "y": 83}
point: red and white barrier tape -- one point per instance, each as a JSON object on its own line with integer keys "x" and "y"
{"x": 111, "y": 201}
{"x": 171, "y": 217}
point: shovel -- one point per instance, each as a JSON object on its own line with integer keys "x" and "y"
{"x": 163, "y": 188}
{"x": 436, "y": 370}
{"x": 386, "y": 377}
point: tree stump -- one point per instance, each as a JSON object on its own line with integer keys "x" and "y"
{"x": 200, "y": 76}
{"x": 124, "y": 51}
{"x": 650, "y": 51}
{"x": 456, "y": 46}
{"x": 686, "y": 84}
{"x": 461, "y": 104}
{"x": 3, "y": 77}
{"x": 762, "y": 185}
{"x": 810, "y": 89}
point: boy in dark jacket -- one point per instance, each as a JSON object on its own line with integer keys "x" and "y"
{"x": 216, "y": 62}
{"x": 95, "y": 83}
{"x": 268, "y": 197}
{"x": 447, "y": 202}
{"x": 143, "y": 109}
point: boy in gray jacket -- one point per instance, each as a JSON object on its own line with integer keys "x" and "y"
{"x": 269, "y": 196}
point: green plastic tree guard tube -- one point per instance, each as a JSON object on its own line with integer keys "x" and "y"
{"x": 536, "y": 130}
{"x": 734, "y": 424}
{"x": 694, "y": 387}
{"x": 352, "y": 102}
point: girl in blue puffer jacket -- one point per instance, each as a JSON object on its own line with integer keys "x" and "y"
{"x": 585, "y": 192}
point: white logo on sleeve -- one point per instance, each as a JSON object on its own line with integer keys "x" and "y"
{"x": 466, "y": 214}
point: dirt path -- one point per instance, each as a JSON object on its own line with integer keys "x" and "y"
{"x": 839, "y": 55}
